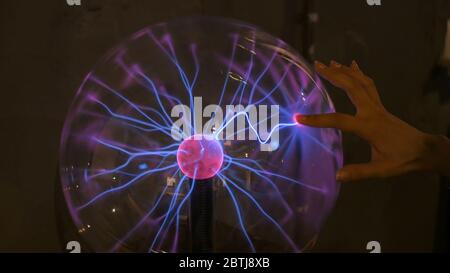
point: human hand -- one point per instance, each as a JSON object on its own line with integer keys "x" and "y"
{"x": 396, "y": 147}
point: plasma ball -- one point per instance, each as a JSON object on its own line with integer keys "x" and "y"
{"x": 127, "y": 148}
{"x": 200, "y": 157}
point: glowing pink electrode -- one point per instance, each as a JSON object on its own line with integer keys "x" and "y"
{"x": 200, "y": 157}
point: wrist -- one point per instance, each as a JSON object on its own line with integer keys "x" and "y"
{"x": 435, "y": 154}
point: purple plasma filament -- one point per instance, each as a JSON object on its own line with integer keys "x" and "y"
{"x": 200, "y": 157}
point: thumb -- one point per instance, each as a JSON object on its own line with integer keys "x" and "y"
{"x": 356, "y": 172}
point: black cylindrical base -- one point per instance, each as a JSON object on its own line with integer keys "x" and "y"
{"x": 202, "y": 216}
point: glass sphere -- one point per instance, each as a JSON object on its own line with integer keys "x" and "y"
{"x": 182, "y": 139}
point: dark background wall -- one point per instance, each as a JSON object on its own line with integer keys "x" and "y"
{"x": 47, "y": 47}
